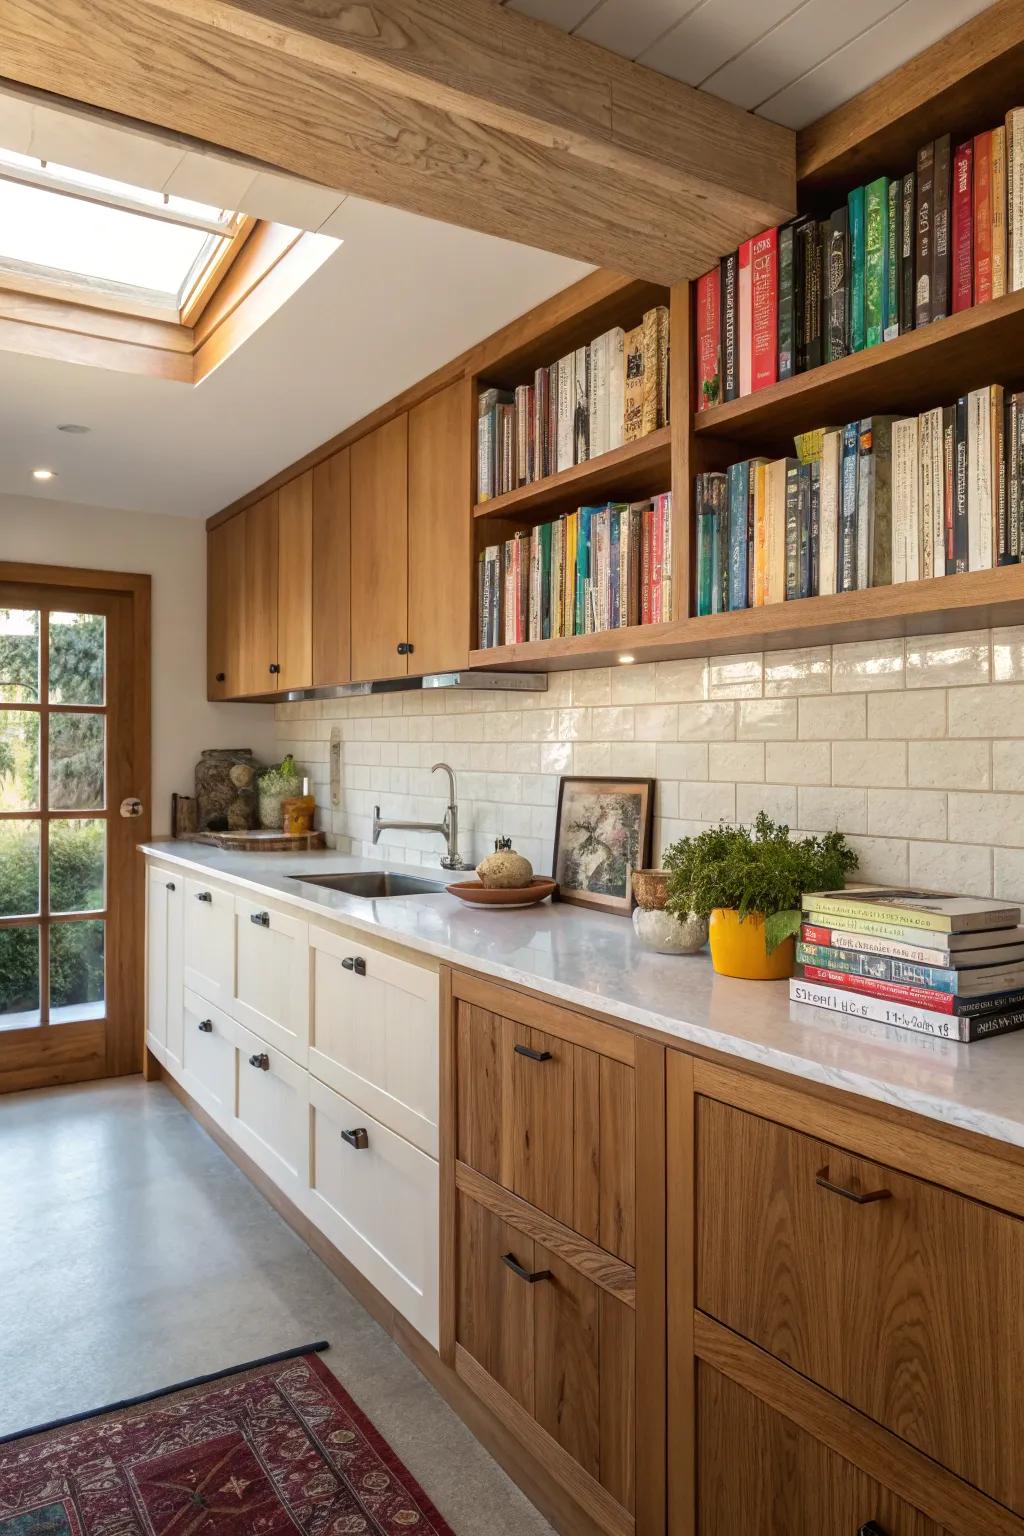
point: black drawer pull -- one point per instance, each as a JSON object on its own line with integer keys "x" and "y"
{"x": 404, "y": 648}
{"x": 203, "y": 896}
{"x": 261, "y": 919}
{"x": 170, "y": 885}
{"x": 524, "y": 1050}
{"x": 872, "y": 1528}
{"x": 357, "y": 1139}
{"x": 261, "y": 1060}
{"x": 206, "y": 1026}
{"x": 513, "y": 1264}
{"x": 824, "y": 1182}
{"x": 354, "y": 963}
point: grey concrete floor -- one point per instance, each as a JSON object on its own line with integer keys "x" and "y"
{"x": 134, "y": 1254}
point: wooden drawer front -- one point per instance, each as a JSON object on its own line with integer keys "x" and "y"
{"x": 271, "y": 1120}
{"x": 760, "y": 1475}
{"x": 910, "y": 1307}
{"x": 272, "y": 977}
{"x": 375, "y": 1032}
{"x": 207, "y": 1068}
{"x": 562, "y": 1347}
{"x": 557, "y": 1127}
{"x": 378, "y": 1204}
{"x": 210, "y": 942}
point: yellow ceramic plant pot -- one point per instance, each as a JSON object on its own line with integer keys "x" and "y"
{"x": 738, "y": 949}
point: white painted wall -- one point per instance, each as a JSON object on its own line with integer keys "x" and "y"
{"x": 173, "y": 551}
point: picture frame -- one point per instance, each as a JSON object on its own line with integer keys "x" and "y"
{"x": 603, "y": 832}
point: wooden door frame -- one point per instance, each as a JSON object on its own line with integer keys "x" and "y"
{"x": 26, "y": 1059}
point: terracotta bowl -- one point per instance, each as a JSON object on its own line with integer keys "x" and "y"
{"x": 474, "y": 894}
{"x": 650, "y": 887}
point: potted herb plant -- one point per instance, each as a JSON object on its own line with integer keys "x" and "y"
{"x": 749, "y": 883}
{"x": 277, "y": 783}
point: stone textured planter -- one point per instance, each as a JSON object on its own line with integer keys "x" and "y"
{"x": 665, "y": 934}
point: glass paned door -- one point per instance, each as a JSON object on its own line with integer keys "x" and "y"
{"x": 54, "y": 815}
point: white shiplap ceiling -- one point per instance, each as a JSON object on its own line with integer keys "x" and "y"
{"x": 789, "y": 60}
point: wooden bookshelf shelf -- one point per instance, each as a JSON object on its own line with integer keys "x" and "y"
{"x": 975, "y": 600}
{"x": 911, "y": 373}
{"x": 635, "y": 469}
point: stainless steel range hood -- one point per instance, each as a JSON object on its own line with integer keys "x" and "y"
{"x": 470, "y": 682}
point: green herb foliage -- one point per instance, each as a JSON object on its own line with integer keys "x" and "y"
{"x": 281, "y": 779}
{"x": 761, "y": 870}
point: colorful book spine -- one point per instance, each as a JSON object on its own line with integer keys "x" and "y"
{"x": 730, "y": 363}
{"x": 962, "y": 238}
{"x": 764, "y": 299}
{"x": 1015, "y": 199}
{"x": 912, "y": 997}
{"x": 908, "y": 973}
{"x": 942, "y": 161}
{"x": 871, "y": 944}
{"x": 787, "y": 301}
{"x": 744, "y": 308}
{"x": 998, "y": 199}
{"x": 847, "y": 567}
{"x": 876, "y": 263}
{"x": 855, "y": 209}
{"x": 709, "y": 323}
{"x": 739, "y": 499}
{"x": 792, "y": 531}
{"x": 982, "y": 218}
{"x": 831, "y": 471}
{"x": 894, "y": 226}
{"x": 923, "y": 235}
{"x": 924, "y": 1021}
{"x": 837, "y": 286}
{"x": 961, "y": 541}
{"x": 907, "y": 248}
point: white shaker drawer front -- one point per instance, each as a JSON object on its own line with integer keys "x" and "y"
{"x": 375, "y": 1198}
{"x": 272, "y": 977}
{"x": 375, "y": 1034}
{"x": 271, "y": 1120}
{"x": 207, "y": 1069}
{"x": 210, "y": 942}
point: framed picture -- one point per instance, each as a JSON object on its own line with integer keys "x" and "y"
{"x": 602, "y": 833}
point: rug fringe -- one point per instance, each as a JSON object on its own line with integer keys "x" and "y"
{"x": 180, "y": 1386}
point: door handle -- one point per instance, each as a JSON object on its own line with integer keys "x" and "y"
{"x": 357, "y": 1139}
{"x": 261, "y": 919}
{"x": 510, "y": 1260}
{"x": 524, "y": 1050}
{"x": 354, "y": 963}
{"x": 170, "y": 885}
{"x": 261, "y": 1060}
{"x": 203, "y": 896}
{"x": 206, "y": 1025}
{"x": 824, "y": 1182}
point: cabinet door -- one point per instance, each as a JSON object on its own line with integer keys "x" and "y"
{"x": 439, "y": 530}
{"x": 259, "y": 599}
{"x": 760, "y": 1475}
{"x": 208, "y": 1057}
{"x": 295, "y": 582}
{"x": 272, "y": 977}
{"x": 225, "y": 563}
{"x": 271, "y": 1119}
{"x": 332, "y": 661}
{"x": 380, "y": 552}
{"x": 210, "y": 941}
{"x": 375, "y": 1033}
{"x": 377, "y": 1201}
{"x": 157, "y": 891}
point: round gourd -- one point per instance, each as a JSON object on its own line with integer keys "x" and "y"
{"x": 504, "y": 869}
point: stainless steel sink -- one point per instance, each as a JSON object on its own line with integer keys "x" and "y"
{"x": 374, "y": 884}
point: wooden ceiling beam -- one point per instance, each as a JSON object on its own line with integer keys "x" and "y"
{"x": 460, "y": 110}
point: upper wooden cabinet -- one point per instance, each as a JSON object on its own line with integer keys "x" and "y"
{"x": 331, "y": 557}
{"x": 225, "y": 557}
{"x": 295, "y": 583}
{"x": 440, "y": 491}
{"x": 380, "y": 552}
{"x": 258, "y": 660}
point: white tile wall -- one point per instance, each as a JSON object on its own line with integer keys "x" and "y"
{"x": 915, "y": 750}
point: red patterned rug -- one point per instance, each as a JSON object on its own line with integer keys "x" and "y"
{"x": 279, "y": 1448}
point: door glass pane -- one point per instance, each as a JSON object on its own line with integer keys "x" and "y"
{"x": 19, "y": 868}
{"x": 76, "y": 762}
{"x": 19, "y": 656}
{"x": 76, "y": 970}
{"x": 78, "y": 856}
{"x": 19, "y": 760}
{"x": 19, "y": 977}
{"x": 77, "y": 656}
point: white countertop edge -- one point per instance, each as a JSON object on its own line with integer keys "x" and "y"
{"x": 932, "y": 1106}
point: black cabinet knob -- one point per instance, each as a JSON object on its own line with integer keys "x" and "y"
{"x": 260, "y": 1060}
{"x": 206, "y": 1026}
{"x": 275, "y": 666}
{"x": 261, "y": 919}
{"x": 871, "y": 1529}
{"x": 404, "y": 648}
{"x": 357, "y": 1139}
{"x": 203, "y": 896}
{"x": 354, "y": 963}
{"x": 170, "y": 885}
{"x": 222, "y": 677}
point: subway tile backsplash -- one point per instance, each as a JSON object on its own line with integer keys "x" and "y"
{"x": 914, "y": 749}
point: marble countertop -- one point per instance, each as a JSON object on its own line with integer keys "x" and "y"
{"x": 595, "y": 962}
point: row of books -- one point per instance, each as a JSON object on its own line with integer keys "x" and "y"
{"x": 940, "y": 964}
{"x": 593, "y": 400}
{"x": 878, "y": 501}
{"x": 594, "y": 569}
{"x": 900, "y": 253}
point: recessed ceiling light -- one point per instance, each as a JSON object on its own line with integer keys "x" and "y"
{"x": 72, "y": 426}
{"x": 44, "y": 474}
{"x": 624, "y": 661}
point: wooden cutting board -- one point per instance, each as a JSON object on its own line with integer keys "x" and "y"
{"x": 262, "y": 842}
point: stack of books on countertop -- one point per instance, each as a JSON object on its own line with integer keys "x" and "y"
{"x": 945, "y": 965}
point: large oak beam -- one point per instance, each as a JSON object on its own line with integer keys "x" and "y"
{"x": 457, "y": 109}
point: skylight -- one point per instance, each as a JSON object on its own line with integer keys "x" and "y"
{"x": 71, "y": 224}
